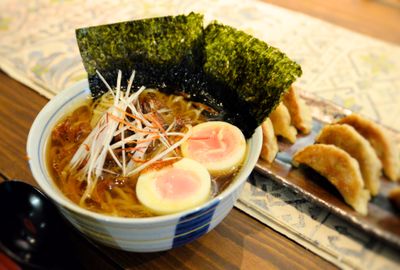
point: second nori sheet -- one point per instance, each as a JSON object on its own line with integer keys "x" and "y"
{"x": 254, "y": 72}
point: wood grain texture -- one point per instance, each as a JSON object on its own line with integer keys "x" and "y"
{"x": 376, "y": 18}
{"x": 239, "y": 242}
{"x": 18, "y": 108}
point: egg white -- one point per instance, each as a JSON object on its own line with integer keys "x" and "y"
{"x": 231, "y": 160}
{"x": 149, "y": 195}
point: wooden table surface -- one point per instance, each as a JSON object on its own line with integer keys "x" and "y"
{"x": 239, "y": 242}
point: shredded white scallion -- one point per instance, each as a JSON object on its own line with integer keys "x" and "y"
{"x": 114, "y": 123}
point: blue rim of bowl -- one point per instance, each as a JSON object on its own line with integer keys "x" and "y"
{"x": 81, "y": 88}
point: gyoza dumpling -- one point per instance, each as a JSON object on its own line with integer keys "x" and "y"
{"x": 280, "y": 119}
{"x": 270, "y": 145}
{"x": 348, "y": 139}
{"x": 340, "y": 169}
{"x": 384, "y": 147}
{"x": 299, "y": 112}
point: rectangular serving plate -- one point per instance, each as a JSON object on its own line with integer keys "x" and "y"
{"x": 382, "y": 221}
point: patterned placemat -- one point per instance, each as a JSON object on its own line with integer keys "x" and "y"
{"x": 314, "y": 227}
{"x": 38, "y": 48}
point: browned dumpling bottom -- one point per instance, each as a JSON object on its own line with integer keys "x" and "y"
{"x": 339, "y": 168}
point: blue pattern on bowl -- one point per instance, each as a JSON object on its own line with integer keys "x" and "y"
{"x": 193, "y": 225}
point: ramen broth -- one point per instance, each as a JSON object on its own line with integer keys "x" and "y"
{"x": 114, "y": 194}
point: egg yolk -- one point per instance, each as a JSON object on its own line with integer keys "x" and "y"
{"x": 211, "y": 144}
{"x": 176, "y": 183}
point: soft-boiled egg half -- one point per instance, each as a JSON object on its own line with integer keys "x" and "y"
{"x": 183, "y": 185}
{"x": 219, "y": 146}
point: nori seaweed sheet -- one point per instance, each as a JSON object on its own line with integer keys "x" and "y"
{"x": 256, "y": 74}
{"x": 239, "y": 76}
{"x": 157, "y": 48}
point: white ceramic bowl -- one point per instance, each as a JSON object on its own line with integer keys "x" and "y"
{"x": 130, "y": 234}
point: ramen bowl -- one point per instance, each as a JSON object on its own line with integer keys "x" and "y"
{"x": 148, "y": 234}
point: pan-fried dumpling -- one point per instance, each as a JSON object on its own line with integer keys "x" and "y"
{"x": 348, "y": 139}
{"x": 270, "y": 145}
{"x": 299, "y": 112}
{"x": 384, "y": 147}
{"x": 340, "y": 169}
{"x": 280, "y": 119}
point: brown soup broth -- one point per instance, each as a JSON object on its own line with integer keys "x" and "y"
{"x": 114, "y": 194}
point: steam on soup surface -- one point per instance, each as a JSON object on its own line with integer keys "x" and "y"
{"x": 143, "y": 153}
